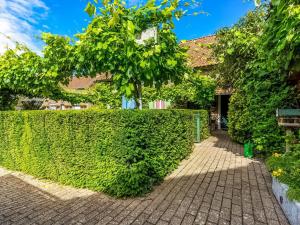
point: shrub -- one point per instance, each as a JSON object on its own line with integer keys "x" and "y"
{"x": 286, "y": 168}
{"x": 120, "y": 152}
{"x": 252, "y": 112}
{"x": 258, "y": 58}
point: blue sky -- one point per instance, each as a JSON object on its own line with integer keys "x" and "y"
{"x": 23, "y": 20}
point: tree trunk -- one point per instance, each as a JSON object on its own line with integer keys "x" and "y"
{"x": 138, "y": 96}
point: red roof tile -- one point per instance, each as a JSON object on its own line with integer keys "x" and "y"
{"x": 200, "y": 52}
{"x": 87, "y": 82}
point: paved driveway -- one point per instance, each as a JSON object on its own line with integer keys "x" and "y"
{"x": 216, "y": 185}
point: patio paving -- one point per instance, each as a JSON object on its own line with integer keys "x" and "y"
{"x": 215, "y": 185}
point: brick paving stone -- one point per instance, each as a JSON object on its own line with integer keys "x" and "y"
{"x": 215, "y": 185}
{"x": 175, "y": 221}
{"x": 161, "y": 222}
{"x": 226, "y": 203}
{"x": 225, "y": 214}
{"x": 213, "y": 216}
{"x": 236, "y": 210}
{"x": 236, "y": 220}
{"x": 201, "y": 218}
{"x": 223, "y": 222}
{"x": 188, "y": 220}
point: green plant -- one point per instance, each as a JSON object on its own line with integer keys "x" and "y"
{"x": 196, "y": 89}
{"x": 204, "y": 123}
{"x": 256, "y": 58}
{"x": 105, "y": 96}
{"x": 25, "y": 73}
{"x": 286, "y": 168}
{"x": 110, "y": 44}
{"x": 121, "y": 152}
{"x": 8, "y": 99}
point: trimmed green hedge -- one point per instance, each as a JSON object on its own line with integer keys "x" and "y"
{"x": 204, "y": 124}
{"x": 121, "y": 152}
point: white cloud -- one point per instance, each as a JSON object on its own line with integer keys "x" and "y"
{"x": 18, "y": 20}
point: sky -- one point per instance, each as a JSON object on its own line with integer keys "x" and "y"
{"x": 24, "y": 20}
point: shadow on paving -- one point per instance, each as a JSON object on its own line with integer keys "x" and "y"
{"x": 216, "y": 185}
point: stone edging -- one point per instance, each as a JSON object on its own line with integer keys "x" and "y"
{"x": 290, "y": 208}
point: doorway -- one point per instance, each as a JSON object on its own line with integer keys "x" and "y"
{"x": 224, "y": 111}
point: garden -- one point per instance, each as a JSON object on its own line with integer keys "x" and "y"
{"x": 127, "y": 152}
{"x": 119, "y": 152}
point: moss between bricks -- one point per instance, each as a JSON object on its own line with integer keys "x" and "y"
{"x": 120, "y": 152}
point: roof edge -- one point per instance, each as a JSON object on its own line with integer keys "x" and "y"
{"x": 198, "y": 38}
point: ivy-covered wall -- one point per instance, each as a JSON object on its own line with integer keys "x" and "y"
{"x": 257, "y": 57}
{"x": 121, "y": 152}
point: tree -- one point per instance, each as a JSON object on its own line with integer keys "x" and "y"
{"x": 109, "y": 44}
{"x": 104, "y": 95}
{"x": 25, "y": 73}
{"x": 237, "y": 46}
{"x": 197, "y": 90}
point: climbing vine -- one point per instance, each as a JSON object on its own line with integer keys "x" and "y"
{"x": 260, "y": 52}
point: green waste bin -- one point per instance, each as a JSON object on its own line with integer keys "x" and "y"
{"x": 248, "y": 150}
{"x": 197, "y": 131}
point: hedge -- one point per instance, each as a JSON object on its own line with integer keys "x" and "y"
{"x": 120, "y": 152}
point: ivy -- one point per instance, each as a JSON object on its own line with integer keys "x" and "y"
{"x": 256, "y": 58}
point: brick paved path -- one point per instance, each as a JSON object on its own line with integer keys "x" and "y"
{"x": 216, "y": 185}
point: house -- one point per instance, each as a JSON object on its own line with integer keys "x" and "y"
{"x": 200, "y": 58}
{"x": 76, "y": 84}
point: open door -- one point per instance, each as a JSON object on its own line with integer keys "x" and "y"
{"x": 224, "y": 111}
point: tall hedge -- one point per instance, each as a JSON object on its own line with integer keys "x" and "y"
{"x": 121, "y": 152}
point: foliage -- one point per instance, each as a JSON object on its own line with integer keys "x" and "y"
{"x": 105, "y": 96}
{"x": 109, "y": 44}
{"x": 23, "y": 72}
{"x": 197, "y": 89}
{"x": 7, "y": 99}
{"x": 115, "y": 151}
{"x": 286, "y": 168}
{"x": 18, "y": 69}
{"x": 259, "y": 70}
{"x": 281, "y": 37}
{"x": 237, "y": 46}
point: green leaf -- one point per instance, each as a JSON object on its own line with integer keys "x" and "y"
{"x": 130, "y": 27}
{"x": 90, "y": 9}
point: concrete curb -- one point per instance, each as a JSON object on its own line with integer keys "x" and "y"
{"x": 290, "y": 208}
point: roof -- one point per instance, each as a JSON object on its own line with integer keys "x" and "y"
{"x": 200, "y": 52}
{"x": 87, "y": 82}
